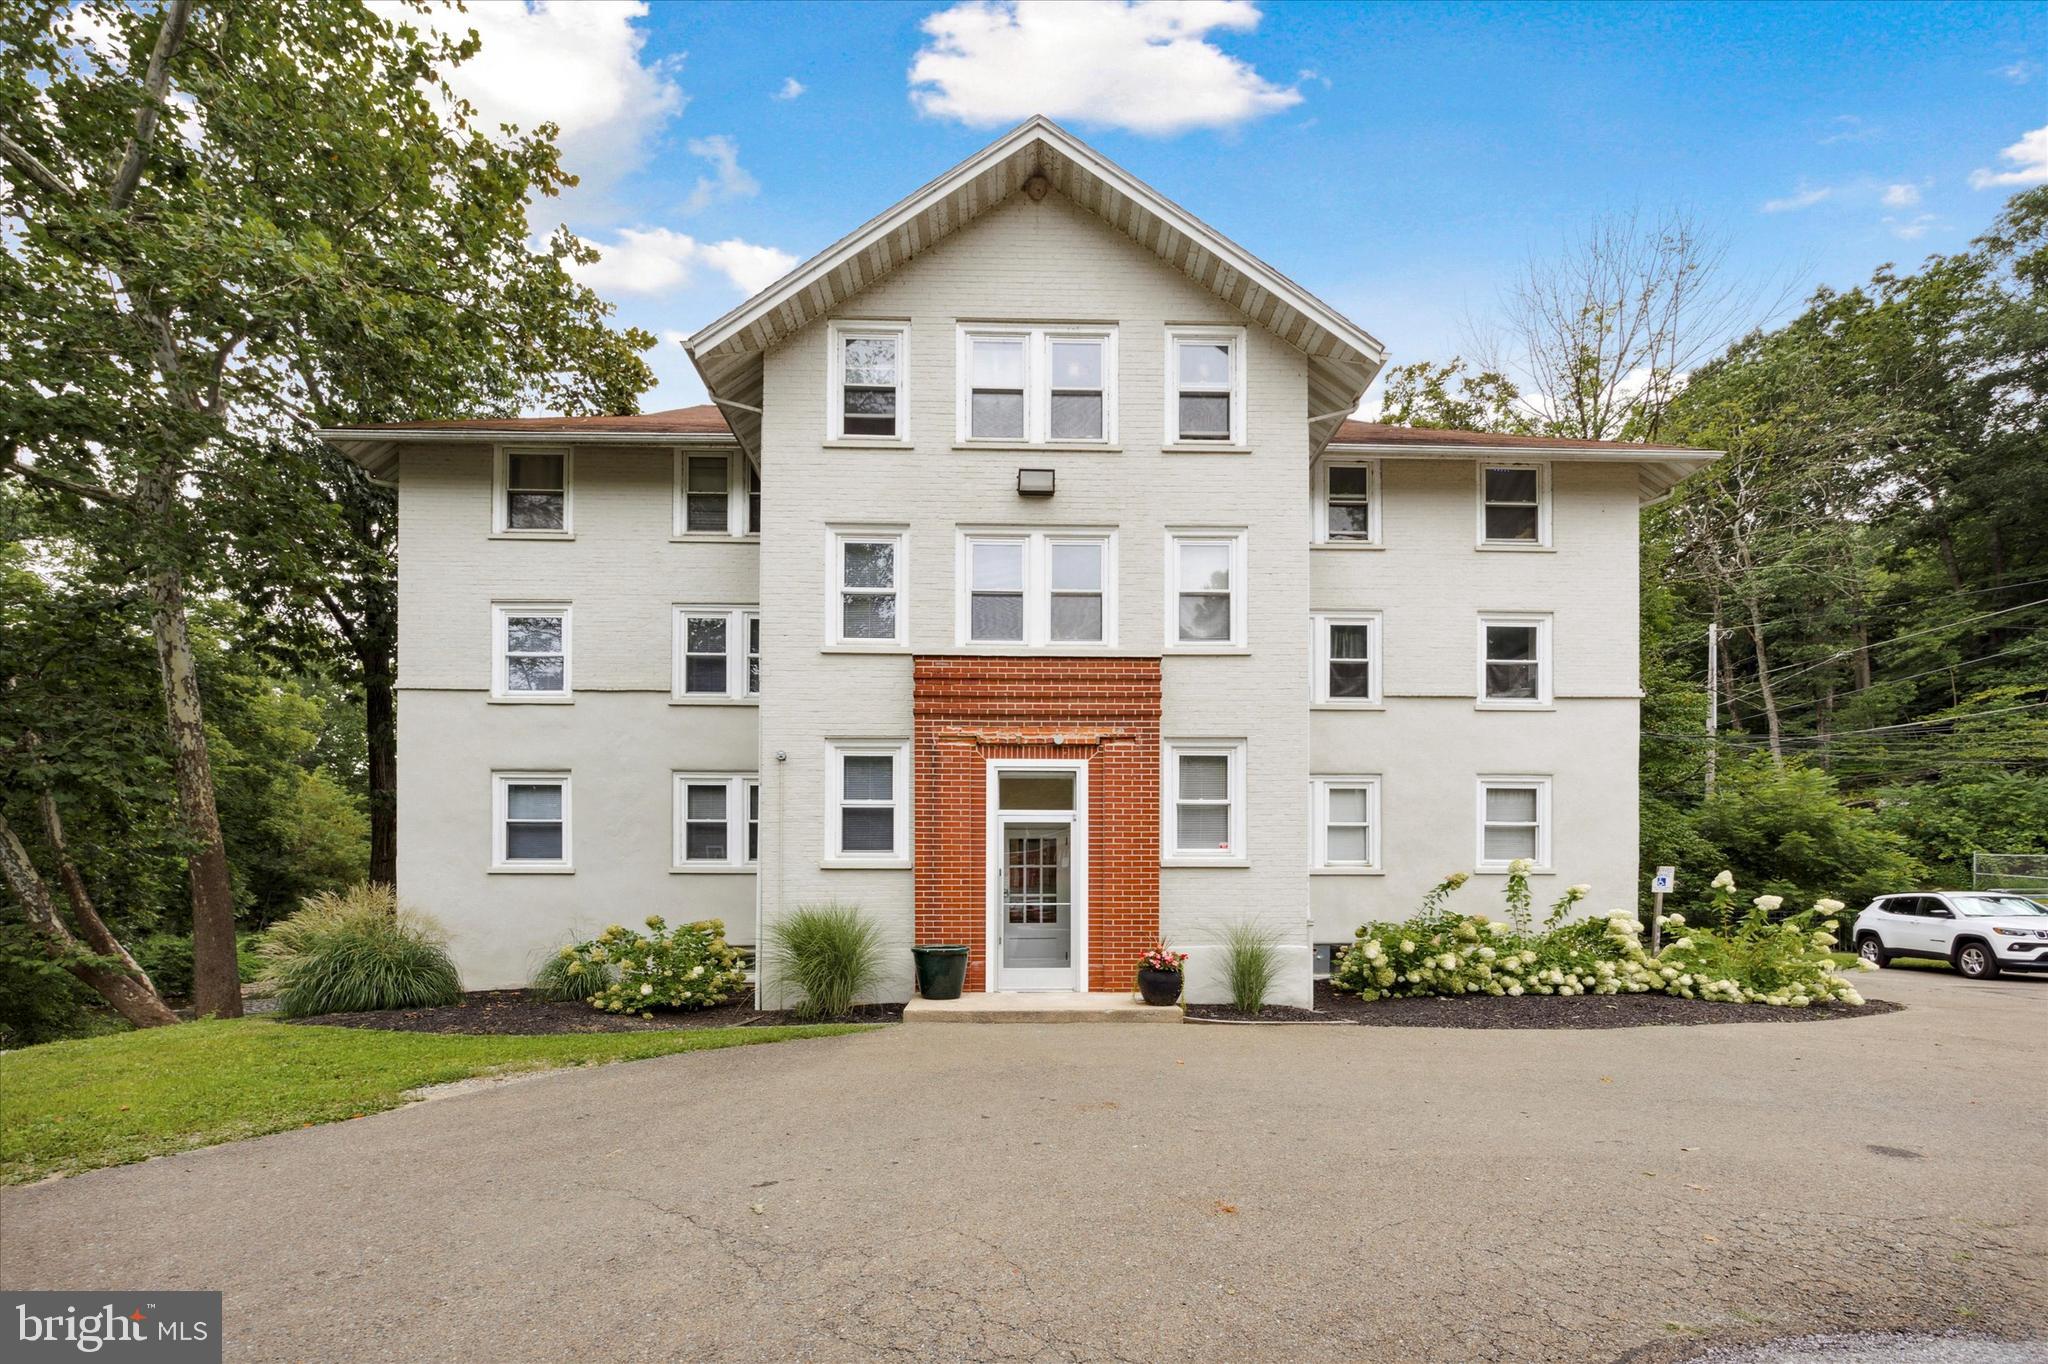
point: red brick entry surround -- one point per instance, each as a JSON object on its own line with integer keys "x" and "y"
{"x": 969, "y": 710}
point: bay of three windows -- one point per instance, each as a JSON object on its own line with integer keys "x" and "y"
{"x": 717, "y": 822}
{"x": 1512, "y": 502}
{"x": 1017, "y": 384}
{"x": 1512, "y": 655}
{"x": 716, "y": 652}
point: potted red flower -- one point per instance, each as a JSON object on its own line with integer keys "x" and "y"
{"x": 1159, "y": 975}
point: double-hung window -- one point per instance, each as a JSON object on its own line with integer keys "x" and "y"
{"x": 717, "y": 494}
{"x": 868, "y": 384}
{"x": 531, "y": 492}
{"x": 1205, "y": 386}
{"x": 1347, "y": 502}
{"x": 1348, "y": 659}
{"x": 868, "y": 796}
{"x": 531, "y": 652}
{"x": 530, "y": 821}
{"x": 1514, "y": 821}
{"x": 866, "y": 593}
{"x": 1205, "y": 590}
{"x": 1514, "y": 506}
{"x": 1347, "y": 823}
{"x": 717, "y": 653}
{"x": 1033, "y": 385}
{"x": 1514, "y": 661}
{"x": 1042, "y": 589}
{"x": 717, "y": 821}
{"x": 1204, "y": 806}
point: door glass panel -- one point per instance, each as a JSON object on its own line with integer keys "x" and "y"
{"x": 1035, "y": 791}
{"x": 1037, "y": 906}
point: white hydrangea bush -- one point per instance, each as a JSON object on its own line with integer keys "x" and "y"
{"x": 688, "y": 967}
{"x": 1443, "y": 952}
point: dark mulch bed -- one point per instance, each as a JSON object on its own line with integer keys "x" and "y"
{"x": 521, "y": 1013}
{"x": 1534, "y": 1011}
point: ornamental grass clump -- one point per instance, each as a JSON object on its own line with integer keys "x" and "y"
{"x": 1443, "y": 952}
{"x": 357, "y": 950}
{"x": 1251, "y": 963}
{"x": 623, "y": 971}
{"x": 832, "y": 954}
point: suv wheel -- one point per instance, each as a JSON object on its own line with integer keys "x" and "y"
{"x": 1976, "y": 960}
{"x": 1871, "y": 948}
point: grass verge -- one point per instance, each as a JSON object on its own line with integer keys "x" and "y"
{"x": 73, "y": 1106}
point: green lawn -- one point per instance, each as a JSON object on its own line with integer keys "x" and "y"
{"x": 71, "y": 1106}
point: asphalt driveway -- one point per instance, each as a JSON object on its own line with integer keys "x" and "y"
{"x": 1082, "y": 1192}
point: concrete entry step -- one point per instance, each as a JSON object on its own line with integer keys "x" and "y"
{"x": 1047, "y": 1006}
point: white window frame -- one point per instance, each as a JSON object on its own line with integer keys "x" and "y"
{"x": 501, "y": 612}
{"x": 1371, "y": 620}
{"x": 836, "y": 753}
{"x": 1038, "y": 546}
{"x": 1542, "y": 540}
{"x": 1543, "y": 698}
{"x": 1038, "y": 342}
{"x": 1240, "y": 586}
{"x": 1234, "y": 337}
{"x": 836, "y": 334}
{"x": 737, "y": 468}
{"x": 740, "y": 788}
{"x": 1541, "y": 785}
{"x": 1173, "y": 750}
{"x": 1320, "y": 529}
{"x": 835, "y": 569}
{"x": 501, "y": 782}
{"x": 1319, "y": 825}
{"x": 738, "y": 620}
{"x": 501, "y": 489}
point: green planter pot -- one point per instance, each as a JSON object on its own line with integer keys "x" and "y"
{"x": 941, "y": 970}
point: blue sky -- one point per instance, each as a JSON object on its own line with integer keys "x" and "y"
{"x": 1401, "y": 161}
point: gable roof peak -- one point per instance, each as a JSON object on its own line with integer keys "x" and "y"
{"x": 1343, "y": 357}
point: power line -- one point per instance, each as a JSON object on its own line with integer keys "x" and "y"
{"x": 1895, "y": 639}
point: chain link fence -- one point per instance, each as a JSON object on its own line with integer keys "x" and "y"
{"x": 2009, "y": 871}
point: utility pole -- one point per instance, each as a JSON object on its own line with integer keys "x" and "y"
{"x": 1713, "y": 703}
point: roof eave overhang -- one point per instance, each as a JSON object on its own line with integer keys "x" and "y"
{"x": 377, "y": 450}
{"x": 1658, "y": 471}
{"x": 1343, "y": 357}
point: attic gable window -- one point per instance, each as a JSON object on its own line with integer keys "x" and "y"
{"x": 1205, "y": 387}
{"x": 870, "y": 362}
{"x": 1022, "y": 385}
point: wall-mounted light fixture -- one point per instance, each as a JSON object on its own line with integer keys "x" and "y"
{"x": 1034, "y": 483}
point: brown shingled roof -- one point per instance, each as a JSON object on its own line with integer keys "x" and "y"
{"x": 706, "y": 419}
{"x": 703, "y": 419}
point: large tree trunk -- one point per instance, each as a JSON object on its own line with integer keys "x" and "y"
{"x": 131, "y": 996}
{"x": 216, "y": 974}
{"x": 90, "y": 925}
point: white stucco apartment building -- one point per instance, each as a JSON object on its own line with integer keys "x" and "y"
{"x": 1028, "y": 585}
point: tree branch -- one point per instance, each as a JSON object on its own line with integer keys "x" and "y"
{"x": 150, "y": 109}
{"x": 91, "y": 492}
{"x": 25, "y": 161}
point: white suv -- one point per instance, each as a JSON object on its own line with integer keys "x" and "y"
{"x": 1980, "y": 933}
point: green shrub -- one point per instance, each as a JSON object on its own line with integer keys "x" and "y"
{"x": 168, "y": 959}
{"x": 621, "y": 971}
{"x": 1443, "y": 952}
{"x": 831, "y": 952}
{"x": 40, "y": 1001}
{"x": 354, "y": 950}
{"x": 1251, "y": 963}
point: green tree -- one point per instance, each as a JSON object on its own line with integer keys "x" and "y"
{"x": 236, "y": 221}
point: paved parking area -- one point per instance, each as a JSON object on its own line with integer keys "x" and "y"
{"x": 1100, "y": 1192}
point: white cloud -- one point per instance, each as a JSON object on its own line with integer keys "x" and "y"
{"x": 1804, "y": 198}
{"x": 2029, "y": 158}
{"x": 2020, "y": 72}
{"x": 1145, "y": 65}
{"x": 1850, "y": 128}
{"x": 577, "y": 65}
{"x": 659, "y": 260}
{"x": 1910, "y": 229}
{"x": 728, "y": 180}
{"x": 791, "y": 88}
{"x": 1901, "y": 196}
